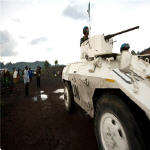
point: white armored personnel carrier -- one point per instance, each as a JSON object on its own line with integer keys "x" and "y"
{"x": 114, "y": 89}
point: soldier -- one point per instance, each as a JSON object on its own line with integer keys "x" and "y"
{"x": 125, "y": 61}
{"x": 124, "y": 47}
{"x": 86, "y": 34}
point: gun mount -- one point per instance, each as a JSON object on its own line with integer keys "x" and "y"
{"x": 107, "y": 37}
{"x": 100, "y": 44}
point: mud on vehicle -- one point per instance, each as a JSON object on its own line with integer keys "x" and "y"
{"x": 114, "y": 89}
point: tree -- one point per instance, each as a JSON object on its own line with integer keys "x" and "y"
{"x": 46, "y": 64}
{"x": 56, "y": 62}
{"x": 9, "y": 66}
{"x": 2, "y": 65}
{"x": 138, "y": 53}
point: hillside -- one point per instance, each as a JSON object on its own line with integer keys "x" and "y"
{"x": 21, "y": 65}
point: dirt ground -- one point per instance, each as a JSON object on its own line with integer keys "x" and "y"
{"x": 29, "y": 124}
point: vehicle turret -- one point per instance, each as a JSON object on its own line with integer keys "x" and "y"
{"x": 100, "y": 44}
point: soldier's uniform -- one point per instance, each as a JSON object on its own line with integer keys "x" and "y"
{"x": 84, "y": 38}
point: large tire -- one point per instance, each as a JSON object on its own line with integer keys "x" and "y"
{"x": 68, "y": 97}
{"x": 115, "y": 126}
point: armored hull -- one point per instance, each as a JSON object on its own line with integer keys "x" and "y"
{"x": 114, "y": 89}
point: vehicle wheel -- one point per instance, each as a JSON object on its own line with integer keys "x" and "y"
{"x": 68, "y": 97}
{"x": 115, "y": 126}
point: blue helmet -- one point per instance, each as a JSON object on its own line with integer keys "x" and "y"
{"x": 84, "y": 29}
{"x": 124, "y": 46}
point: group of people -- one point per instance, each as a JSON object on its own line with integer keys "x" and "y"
{"x": 6, "y": 81}
{"x": 27, "y": 76}
{"x": 18, "y": 74}
{"x": 9, "y": 80}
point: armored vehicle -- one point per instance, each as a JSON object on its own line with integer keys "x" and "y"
{"x": 114, "y": 89}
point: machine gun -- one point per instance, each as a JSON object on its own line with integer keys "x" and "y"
{"x": 107, "y": 37}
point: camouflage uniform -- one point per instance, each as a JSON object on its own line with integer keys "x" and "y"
{"x": 84, "y": 38}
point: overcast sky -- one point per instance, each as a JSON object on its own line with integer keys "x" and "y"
{"x": 41, "y": 30}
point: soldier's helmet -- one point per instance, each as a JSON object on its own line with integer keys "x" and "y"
{"x": 85, "y": 29}
{"x": 124, "y": 47}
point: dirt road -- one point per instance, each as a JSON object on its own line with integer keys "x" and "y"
{"x": 36, "y": 124}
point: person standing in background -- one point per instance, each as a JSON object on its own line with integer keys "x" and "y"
{"x": 15, "y": 76}
{"x": 26, "y": 81}
{"x": 7, "y": 79}
{"x": 38, "y": 75}
{"x": 30, "y": 74}
{"x": 19, "y": 74}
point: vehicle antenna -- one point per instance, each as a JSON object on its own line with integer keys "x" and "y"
{"x": 89, "y": 16}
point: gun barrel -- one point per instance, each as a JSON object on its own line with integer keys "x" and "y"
{"x": 112, "y": 35}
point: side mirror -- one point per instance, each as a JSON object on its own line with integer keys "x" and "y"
{"x": 125, "y": 61}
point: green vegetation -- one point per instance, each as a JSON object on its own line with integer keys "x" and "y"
{"x": 56, "y": 62}
{"x": 46, "y": 64}
{"x": 21, "y": 65}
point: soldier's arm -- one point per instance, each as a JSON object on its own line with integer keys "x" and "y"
{"x": 81, "y": 41}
